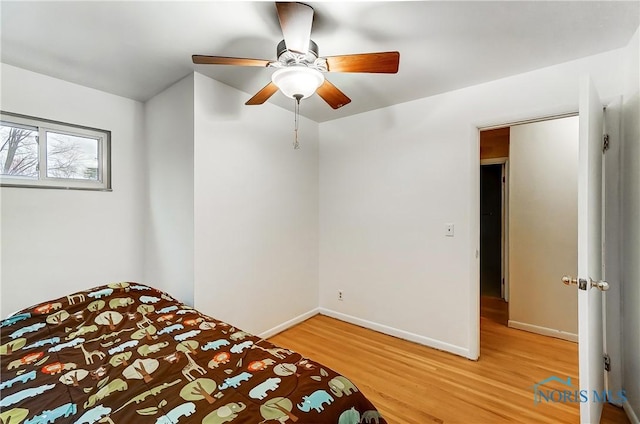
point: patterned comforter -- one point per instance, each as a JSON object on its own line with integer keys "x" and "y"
{"x": 126, "y": 353}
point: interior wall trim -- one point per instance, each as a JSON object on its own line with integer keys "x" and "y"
{"x": 288, "y": 324}
{"x": 493, "y": 161}
{"x": 633, "y": 418}
{"x": 558, "y": 115}
{"x": 572, "y": 337}
{"x": 405, "y": 335}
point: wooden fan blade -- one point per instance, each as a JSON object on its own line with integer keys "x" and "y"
{"x": 295, "y": 20}
{"x": 377, "y": 63}
{"x": 221, "y": 60}
{"x": 263, "y": 95}
{"x": 332, "y": 95}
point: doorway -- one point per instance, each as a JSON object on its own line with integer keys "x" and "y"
{"x": 547, "y": 205}
{"x": 491, "y": 231}
{"x": 494, "y": 156}
{"x": 526, "y": 238}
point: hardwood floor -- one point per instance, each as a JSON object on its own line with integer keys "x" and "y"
{"x": 414, "y": 384}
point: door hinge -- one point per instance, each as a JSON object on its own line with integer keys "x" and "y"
{"x": 605, "y": 143}
{"x": 607, "y": 362}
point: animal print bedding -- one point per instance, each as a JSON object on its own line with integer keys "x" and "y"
{"x": 126, "y": 353}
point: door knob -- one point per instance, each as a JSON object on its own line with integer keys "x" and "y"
{"x": 583, "y": 283}
{"x": 600, "y": 285}
{"x": 568, "y": 281}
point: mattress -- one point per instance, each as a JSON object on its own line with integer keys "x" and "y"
{"x": 128, "y": 353}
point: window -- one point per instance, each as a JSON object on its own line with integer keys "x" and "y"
{"x": 40, "y": 153}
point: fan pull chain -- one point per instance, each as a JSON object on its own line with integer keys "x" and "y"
{"x": 296, "y": 145}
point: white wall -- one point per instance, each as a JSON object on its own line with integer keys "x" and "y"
{"x": 58, "y": 241}
{"x": 391, "y": 178}
{"x": 256, "y": 210}
{"x": 543, "y": 226}
{"x": 631, "y": 228}
{"x": 169, "y": 119}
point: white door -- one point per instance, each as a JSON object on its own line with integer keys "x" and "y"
{"x": 611, "y": 243}
{"x": 591, "y": 366}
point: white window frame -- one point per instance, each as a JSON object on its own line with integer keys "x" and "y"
{"x": 103, "y": 183}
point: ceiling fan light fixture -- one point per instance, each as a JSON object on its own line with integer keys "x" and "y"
{"x": 297, "y": 81}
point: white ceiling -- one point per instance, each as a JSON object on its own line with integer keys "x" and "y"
{"x": 138, "y": 48}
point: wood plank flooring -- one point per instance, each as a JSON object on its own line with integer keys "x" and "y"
{"x": 414, "y": 384}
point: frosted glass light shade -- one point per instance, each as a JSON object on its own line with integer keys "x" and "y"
{"x": 297, "y": 80}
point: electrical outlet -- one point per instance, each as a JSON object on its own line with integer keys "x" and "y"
{"x": 448, "y": 230}
{"x": 340, "y": 295}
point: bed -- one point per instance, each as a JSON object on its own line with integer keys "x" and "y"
{"x": 127, "y": 353}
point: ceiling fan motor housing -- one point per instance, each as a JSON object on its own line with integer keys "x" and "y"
{"x": 285, "y": 55}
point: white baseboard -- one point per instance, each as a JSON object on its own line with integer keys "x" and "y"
{"x": 285, "y": 325}
{"x": 543, "y": 330}
{"x": 633, "y": 418}
{"x": 436, "y": 344}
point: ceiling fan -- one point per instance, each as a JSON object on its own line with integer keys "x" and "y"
{"x": 299, "y": 70}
